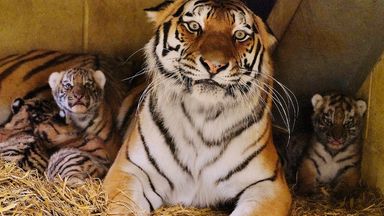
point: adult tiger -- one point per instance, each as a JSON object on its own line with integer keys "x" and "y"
{"x": 203, "y": 133}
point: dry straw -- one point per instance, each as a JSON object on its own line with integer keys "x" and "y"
{"x": 27, "y": 193}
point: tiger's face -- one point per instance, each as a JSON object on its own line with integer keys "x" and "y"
{"x": 213, "y": 50}
{"x": 337, "y": 120}
{"x": 77, "y": 90}
{"x": 30, "y": 112}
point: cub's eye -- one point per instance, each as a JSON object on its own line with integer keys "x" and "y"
{"x": 67, "y": 86}
{"x": 327, "y": 121}
{"x": 349, "y": 124}
{"x": 240, "y": 35}
{"x": 89, "y": 84}
{"x": 193, "y": 26}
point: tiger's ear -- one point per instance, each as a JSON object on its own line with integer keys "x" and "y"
{"x": 317, "y": 101}
{"x": 54, "y": 79}
{"x": 158, "y": 13}
{"x": 16, "y": 105}
{"x": 153, "y": 12}
{"x": 361, "y": 107}
{"x": 268, "y": 39}
{"x": 100, "y": 78}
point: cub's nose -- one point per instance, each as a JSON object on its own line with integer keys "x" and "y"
{"x": 213, "y": 67}
{"x": 78, "y": 93}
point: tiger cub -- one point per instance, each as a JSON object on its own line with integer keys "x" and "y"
{"x": 86, "y": 141}
{"x": 333, "y": 156}
{"x": 18, "y": 143}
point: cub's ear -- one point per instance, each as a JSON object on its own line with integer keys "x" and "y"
{"x": 16, "y": 105}
{"x": 268, "y": 39}
{"x": 361, "y": 107}
{"x": 54, "y": 79}
{"x": 100, "y": 78}
{"x": 317, "y": 101}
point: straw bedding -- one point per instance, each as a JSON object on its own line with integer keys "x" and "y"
{"x": 27, "y": 193}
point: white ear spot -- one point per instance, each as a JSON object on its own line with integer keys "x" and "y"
{"x": 152, "y": 15}
{"x": 361, "y": 107}
{"x": 317, "y": 101}
{"x": 54, "y": 79}
{"x": 100, "y": 78}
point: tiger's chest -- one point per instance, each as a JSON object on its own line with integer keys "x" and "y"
{"x": 329, "y": 166}
{"x": 198, "y": 160}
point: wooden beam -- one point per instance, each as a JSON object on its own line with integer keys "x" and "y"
{"x": 281, "y": 15}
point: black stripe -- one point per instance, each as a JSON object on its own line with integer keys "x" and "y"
{"x": 14, "y": 67}
{"x": 166, "y": 27}
{"x": 271, "y": 178}
{"x": 110, "y": 132}
{"x": 7, "y": 59}
{"x": 266, "y": 129}
{"x": 58, "y": 165}
{"x": 346, "y": 158}
{"x": 69, "y": 165}
{"x": 36, "y": 91}
{"x": 150, "y": 204}
{"x": 152, "y": 160}
{"x": 243, "y": 165}
{"x": 18, "y": 57}
{"x": 146, "y": 174}
{"x": 345, "y": 169}
{"x": 320, "y": 156}
{"x": 180, "y": 10}
{"x": 157, "y": 118}
{"x": 128, "y": 116}
{"x": 260, "y": 61}
{"x": 200, "y": 2}
{"x": 236, "y": 129}
{"x": 159, "y": 7}
{"x": 258, "y": 47}
{"x": 53, "y": 62}
{"x": 316, "y": 165}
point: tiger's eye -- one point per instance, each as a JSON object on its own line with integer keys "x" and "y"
{"x": 67, "y": 86}
{"x": 193, "y": 26}
{"x": 240, "y": 35}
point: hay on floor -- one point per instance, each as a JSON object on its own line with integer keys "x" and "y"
{"x": 27, "y": 193}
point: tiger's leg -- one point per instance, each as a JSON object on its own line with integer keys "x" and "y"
{"x": 346, "y": 183}
{"x": 125, "y": 191}
{"x": 269, "y": 197}
{"x": 26, "y": 151}
{"x": 75, "y": 166}
{"x": 128, "y": 187}
{"x": 307, "y": 182}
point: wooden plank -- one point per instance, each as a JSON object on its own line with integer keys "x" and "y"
{"x": 281, "y": 15}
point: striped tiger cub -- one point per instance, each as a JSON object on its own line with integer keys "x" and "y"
{"x": 86, "y": 140}
{"x": 202, "y": 136}
{"x": 334, "y": 153}
{"x": 18, "y": 142}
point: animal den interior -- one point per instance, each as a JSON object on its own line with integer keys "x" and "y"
{"x": 324, "y": 47}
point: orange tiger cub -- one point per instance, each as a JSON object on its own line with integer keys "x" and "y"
{"x": 86, "y": 140}
{"x": 333, "y": 156}
{"x": 18, "y": 143}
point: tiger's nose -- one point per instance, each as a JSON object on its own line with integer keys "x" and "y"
{"x": 213, "y": 67}
{"x": 78, "y": 93}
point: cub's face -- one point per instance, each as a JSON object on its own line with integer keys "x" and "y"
{"x": 337, "y": 119}
{"x": 77, "y": 90}
{"x": 26, "y": 113}
{"x": 211, "y": 49}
